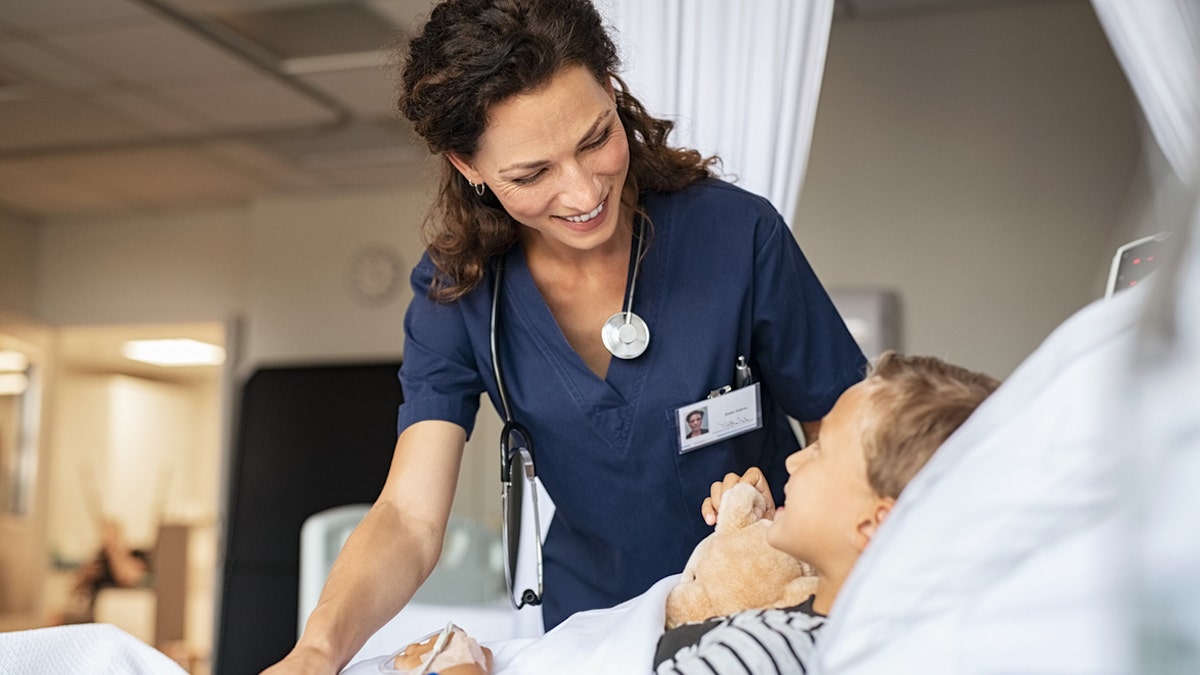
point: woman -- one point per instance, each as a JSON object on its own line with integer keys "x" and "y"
{"x": 695, "y": 420}
{"x": 556, "y": 176}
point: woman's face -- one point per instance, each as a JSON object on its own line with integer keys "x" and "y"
{"x": 557, "y": 159}
{"x": 694, "y": 420}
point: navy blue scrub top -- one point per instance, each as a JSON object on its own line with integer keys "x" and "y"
{"x": 722, "y": 276}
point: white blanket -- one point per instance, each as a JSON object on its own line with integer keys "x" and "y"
{"x": 620, "y": 639}
{"x": 92, "y": 648}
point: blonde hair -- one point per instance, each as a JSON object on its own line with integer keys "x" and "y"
{"x": 916, "y": 402}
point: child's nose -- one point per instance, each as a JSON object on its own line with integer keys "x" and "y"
{"x": 793, "y": 461}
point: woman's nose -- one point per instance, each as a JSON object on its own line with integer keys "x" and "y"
{"x": 580, "y": 188}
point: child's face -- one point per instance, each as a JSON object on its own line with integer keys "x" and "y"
{"x": 827, "y": 494}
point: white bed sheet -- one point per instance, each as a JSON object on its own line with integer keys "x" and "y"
{"x": 93, "y": 648}
{"x": 619, "y": 639}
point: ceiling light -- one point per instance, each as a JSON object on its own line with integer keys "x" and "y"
{"x": 13, "y": 384}
{"x": 13, "y": 362}
{"x": 174, "y": 352}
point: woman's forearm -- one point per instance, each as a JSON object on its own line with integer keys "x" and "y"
{"x": 379, "y": 569}
{"x": 387, "y": 557}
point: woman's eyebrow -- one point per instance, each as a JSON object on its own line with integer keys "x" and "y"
{"x": 538, "y": 163}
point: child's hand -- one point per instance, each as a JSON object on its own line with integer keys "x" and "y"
{"x": 460, "y": 655}
{"x": 754, "y": 476}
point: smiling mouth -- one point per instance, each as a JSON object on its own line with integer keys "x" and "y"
{"x": 587, "y": 216}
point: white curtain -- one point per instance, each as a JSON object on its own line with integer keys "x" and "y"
{"x": 1158, "y": 45}
{"x": 740, "y": 78}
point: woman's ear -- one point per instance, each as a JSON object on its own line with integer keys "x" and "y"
{"x": 464, "y": 167}
{"x": 870, "y": 522}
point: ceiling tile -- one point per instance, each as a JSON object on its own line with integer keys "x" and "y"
{"x": 58, "y": 121}
{"x": 26, "y": 186}
{"x": 361, "y": 144}
{"x": 404, "y": 13}
{"x": 267, "y": 167}
{"x": 256, "y": 102}
{"x": 367, "y": 91}
{"x": 152, "y": 112}
{"x": 158, "y": 176}
{"x": 43, "y": 14}
{"x": 370, "y": 176}
{"x": 154, "y": 53}
{"x": 206, "y": 6}
{"x": 38, "y": 63}
{"x": 334, "y": 27}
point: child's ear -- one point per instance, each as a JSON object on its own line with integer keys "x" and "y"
{"x": 871, "y": 521}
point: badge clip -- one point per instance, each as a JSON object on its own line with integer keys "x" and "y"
{"x": 717, "y": 392}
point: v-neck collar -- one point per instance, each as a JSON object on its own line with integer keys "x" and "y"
{"x": 608, "y": 402}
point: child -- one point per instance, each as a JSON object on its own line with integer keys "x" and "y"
{"x": 841, "y": 487}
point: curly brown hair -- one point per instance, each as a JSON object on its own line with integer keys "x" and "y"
{"x": 473, "y": 54}
{"x": 916, "y": 403}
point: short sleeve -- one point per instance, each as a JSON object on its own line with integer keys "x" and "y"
{"x": 438, "y": 375}
{"x": 805, "y": 353}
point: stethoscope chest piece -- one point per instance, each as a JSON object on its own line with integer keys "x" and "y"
{"x": 625, "y": 335}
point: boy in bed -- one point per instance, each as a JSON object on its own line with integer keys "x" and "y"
{"x": 875, "y": 439}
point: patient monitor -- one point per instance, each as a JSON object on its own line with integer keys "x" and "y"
{"x": 1135, "y": 261}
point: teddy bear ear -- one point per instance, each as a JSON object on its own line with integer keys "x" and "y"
{"x": 741, "y": 505}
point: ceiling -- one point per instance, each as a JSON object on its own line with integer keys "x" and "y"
{"x": 99, "y": 350}
{"x": 120, "y": 107}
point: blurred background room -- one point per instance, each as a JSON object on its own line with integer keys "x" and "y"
{"x": 230, "y": 173}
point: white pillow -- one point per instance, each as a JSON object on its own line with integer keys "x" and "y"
{"x": 1004, "y": 554}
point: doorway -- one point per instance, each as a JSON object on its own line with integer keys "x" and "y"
{"x": 134, "y": 462}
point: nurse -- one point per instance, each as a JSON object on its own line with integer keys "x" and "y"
{"x": 554, "y": 175}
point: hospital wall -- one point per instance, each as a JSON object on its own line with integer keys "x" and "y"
{"x": 979, "y": 163}
{"x": 17, "y": 255}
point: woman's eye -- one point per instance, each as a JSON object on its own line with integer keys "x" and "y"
{"x": 526, "y": 180}
{"x": 599, "y": 141}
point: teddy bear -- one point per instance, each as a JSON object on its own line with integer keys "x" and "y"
{"x": 735, "y": 569}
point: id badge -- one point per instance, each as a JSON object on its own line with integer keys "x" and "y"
{"x": 717, "y": 418}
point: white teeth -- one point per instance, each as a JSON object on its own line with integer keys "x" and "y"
{"x": 587, "y": 216}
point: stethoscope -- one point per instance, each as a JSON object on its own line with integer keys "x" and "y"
{"x": 626, "y": 336}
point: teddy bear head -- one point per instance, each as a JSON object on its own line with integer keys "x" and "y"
{"x": 735, "y": 569}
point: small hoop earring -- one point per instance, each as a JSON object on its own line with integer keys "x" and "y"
{"x": 479, "y": 189}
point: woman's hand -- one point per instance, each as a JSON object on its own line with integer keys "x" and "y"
{"x": 303, "y": 661}
{"x": 754, "y": 476}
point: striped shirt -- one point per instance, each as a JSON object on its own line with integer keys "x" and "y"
{"x": 755, "y": 642}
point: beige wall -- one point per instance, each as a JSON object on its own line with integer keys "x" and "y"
{"x": 976, "y": 161}
{"x": 148, "y": 269}
{"x": 17, "y": 257}
{"x": 300, "y": 305}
